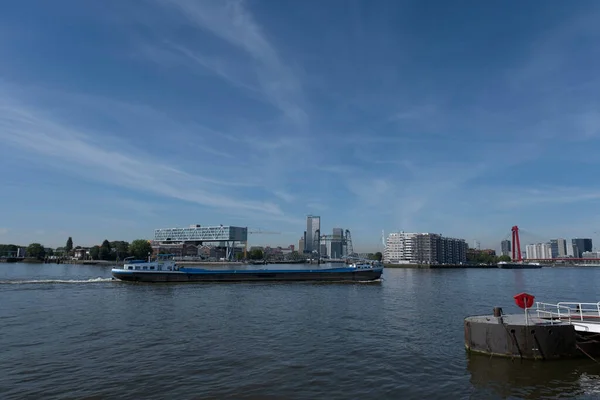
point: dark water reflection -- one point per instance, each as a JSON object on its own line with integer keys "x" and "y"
{"x": 67, "y": 331}
{"x": 534, "y": 380}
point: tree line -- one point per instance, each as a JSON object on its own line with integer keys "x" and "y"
{"x": 108, "y": 251}
{"x": 485, "y": 258}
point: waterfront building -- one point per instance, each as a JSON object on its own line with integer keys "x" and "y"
{"x": 591, "y": 254}
{"x": 505, "y": 248}
{"x": 399, "y": 248}
{"x": 337, "y": 243}
{"x": 554, "y": 247}
{"x": 301, "y": 247}
{"x": 323, "y": 250}
{"x": 538, "y": 251}
{"x": 454, "y": 251}
{"x": 581, "y": 246}
{"x": 313, "y": 224}
{"x": 425, "y": 248}
{"x": 558, "y": 248}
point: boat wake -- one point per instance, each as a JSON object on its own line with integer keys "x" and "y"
{"x": 48, "y": 281}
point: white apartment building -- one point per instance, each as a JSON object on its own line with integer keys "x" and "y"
{"x": 538, "y": 251}
{"x": 400, "y": 248}
{"x": 424, "y": 248}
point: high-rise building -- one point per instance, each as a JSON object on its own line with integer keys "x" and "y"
{"x": 301, "y": 242}
{"x": 313, "y": 224}
{"x": 554, "y": 247}
{"x": 562, "y": 247}
{"x": 323, "y": 250}
{"x": 337, "y": 243}
{"x": 505, "y": 248}
{"x": 583, "y": 245}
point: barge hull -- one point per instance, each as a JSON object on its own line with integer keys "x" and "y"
{"x": 511, "y": 336}
{"x": 247, "y": 276}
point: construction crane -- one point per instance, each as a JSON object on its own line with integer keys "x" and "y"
{"x": 257, "y": 232}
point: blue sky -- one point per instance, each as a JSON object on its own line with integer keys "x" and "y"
{"x": 462, "y": 118}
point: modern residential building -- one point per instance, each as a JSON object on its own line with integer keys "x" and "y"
{"x": 337, "y": 243}
{"x": 581, "y": 246}
{"x": 399, "y": 248}
{"x": 453, "y": 251}
{"x": 313, "y": 223}
{"x": 505, "y": 248}
{"x": 425, "y": 248}
{"x": 538, "y": 251}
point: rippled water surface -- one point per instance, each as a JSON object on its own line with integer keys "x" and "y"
{"x": 67, "y": 331}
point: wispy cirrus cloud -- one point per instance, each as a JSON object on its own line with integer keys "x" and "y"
{"x": 73, "y": 150}
{"x": 285, "y": 196}
{"x": 234, "y": 23}
{"x": 511, "y": 197}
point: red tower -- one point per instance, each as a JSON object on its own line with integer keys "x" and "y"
{"x": 516, "y": 244}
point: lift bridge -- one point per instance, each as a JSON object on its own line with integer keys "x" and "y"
{"x": 346, "y": 242}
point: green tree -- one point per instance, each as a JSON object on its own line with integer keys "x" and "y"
{"x": 378, "y": 256}
{"x": 105, "y": 251}
{"x": 140, "y": 248}
{"x": 36, "y": 250}
{"x": 120, "y": 249}
{"x": 8, "y": 250}
{"x": 504, "y": 258}
{"x": 257, "y": 254}
{"x": 69, "y": 245}
{"x": 95, "y": 253}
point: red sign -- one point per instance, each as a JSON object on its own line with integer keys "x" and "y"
{"x": 524, "y": 300}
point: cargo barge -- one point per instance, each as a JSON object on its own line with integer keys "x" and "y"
{"x": 163, "y": 270}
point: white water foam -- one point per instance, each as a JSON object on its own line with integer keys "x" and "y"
{"x": 45, "y": 281}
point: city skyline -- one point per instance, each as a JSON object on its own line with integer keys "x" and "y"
{"x": 387, "y": 116}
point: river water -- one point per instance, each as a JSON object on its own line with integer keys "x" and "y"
{"x": 69, "y": 332}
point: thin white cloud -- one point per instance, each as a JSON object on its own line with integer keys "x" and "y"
{"x": 74, "y": 151}
{"x": 3, "y": 231}
{"x": 284, "y": 195}
{"x": 519, "y": 197}
{"x": 232, "y": 22}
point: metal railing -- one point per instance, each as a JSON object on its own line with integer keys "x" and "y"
{"x": 553, "y": 312}
{"x": 582, "y": 310}
{"x": 570, "y": 311}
